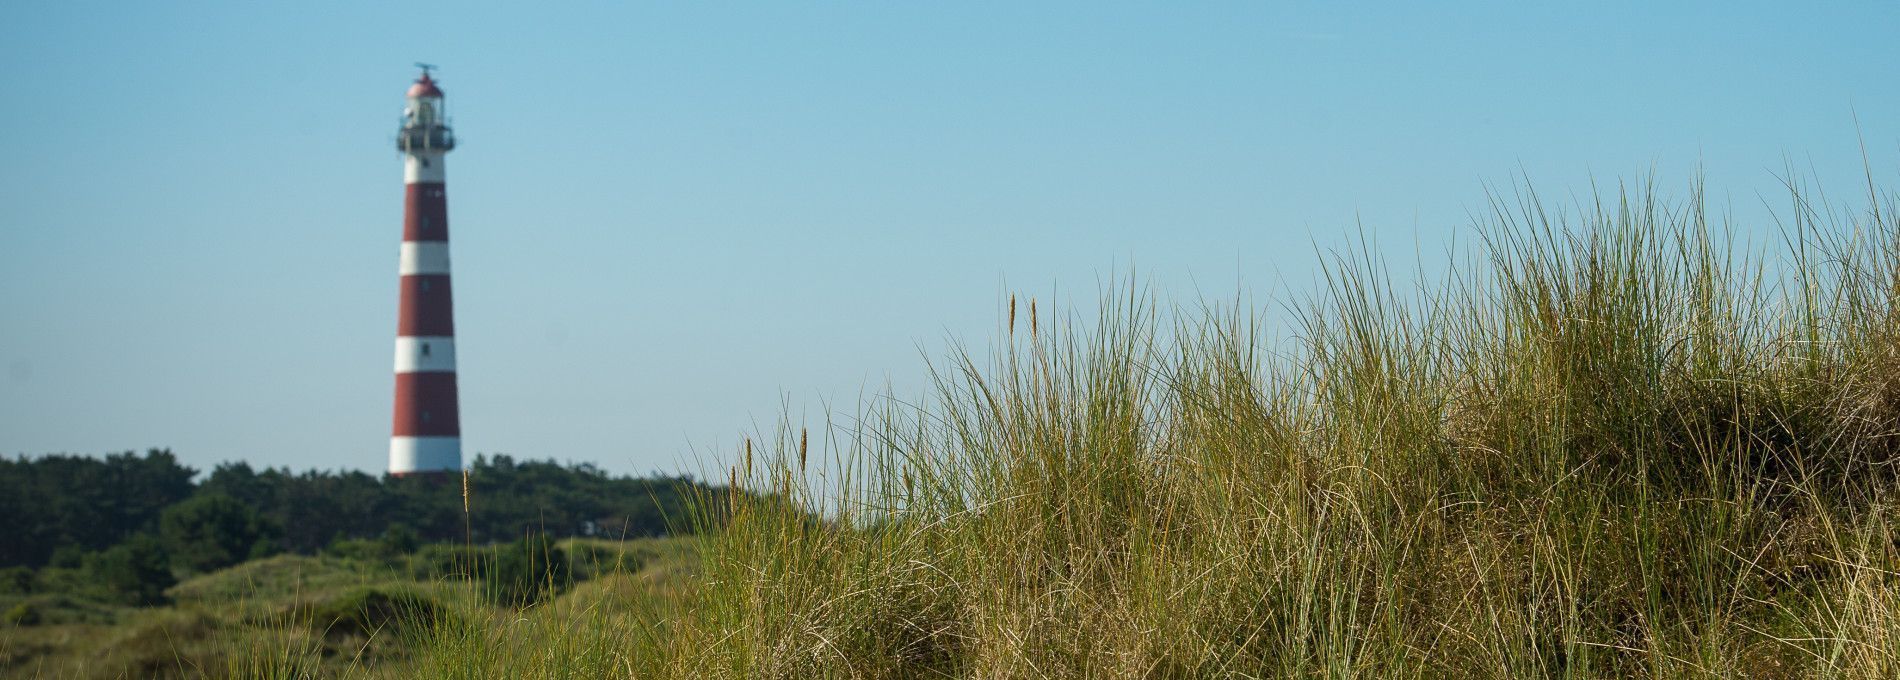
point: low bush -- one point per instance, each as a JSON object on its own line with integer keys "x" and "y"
{"x": 445, "y": 561}
{"x": 525, "y": 572}
{"x": 135, "y": 572}
{"x": 366, "y": 550}
{"x": 371, "y": 611}
{"x": 23, "y": 614}
{"x": 17, "y": 580}
{"x": 592, "y": 558}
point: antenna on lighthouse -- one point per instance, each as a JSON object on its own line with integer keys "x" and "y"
{"x": 426, "y": 68}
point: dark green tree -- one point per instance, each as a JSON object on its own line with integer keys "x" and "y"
{"x": 213, "y": 531}
{"x": 136, "y": 571}
{"x": 82, "y": 502}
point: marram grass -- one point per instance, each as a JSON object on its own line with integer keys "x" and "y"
{"x": 1610, "y": 444}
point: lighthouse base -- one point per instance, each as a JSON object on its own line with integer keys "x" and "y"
{"x": 411, "y": 455}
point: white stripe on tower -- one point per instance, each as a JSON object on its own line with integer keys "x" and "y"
{"x": 422, "y": 166}
{"x": 425, "y": 257}
{"x": 427, "y": 436}
{"x": 424, "y": 455}
{"x": 417, "y": 354}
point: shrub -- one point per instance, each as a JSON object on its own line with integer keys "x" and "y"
{"x": 400, "y": 539}
{"x": 359, "y": 549}
{"x": 16, "y": 581}
{"x": 68, "y": 557}
{"x": 523, "y": 573}
{"x": 76, "y": 580}
{"x": 23, "y": 614}
{"x": 366, "y": 611}
{"x": 134, "y": 572}
{"x": 395, "y": 543}
{"x": 439, "y": 561}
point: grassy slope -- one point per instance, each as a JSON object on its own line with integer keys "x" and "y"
{"x": 279, "y": 617}
{"x": 1609, "y": 446}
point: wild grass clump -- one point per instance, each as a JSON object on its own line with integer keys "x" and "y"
{"x": 1610, "y": 444}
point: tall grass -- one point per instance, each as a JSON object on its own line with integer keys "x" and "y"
{"x": 1609, "y": 444}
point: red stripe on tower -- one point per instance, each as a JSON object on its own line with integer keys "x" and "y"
{"x": 426, "y": 437}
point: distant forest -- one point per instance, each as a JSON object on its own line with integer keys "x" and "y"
{"x": 60, "y": 509}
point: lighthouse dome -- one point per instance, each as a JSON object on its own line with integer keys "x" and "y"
{"x": 424, "y": 87}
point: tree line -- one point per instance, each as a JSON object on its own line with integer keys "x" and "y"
{"x": 61, "y": 510}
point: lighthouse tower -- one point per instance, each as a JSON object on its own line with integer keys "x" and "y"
{"x": 427, "y": 437}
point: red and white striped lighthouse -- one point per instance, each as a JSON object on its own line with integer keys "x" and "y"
{"x": 427, "y": 437}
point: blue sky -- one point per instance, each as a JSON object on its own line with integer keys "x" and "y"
{"x": 672, "y": 221}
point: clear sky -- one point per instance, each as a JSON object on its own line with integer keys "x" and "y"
{"x": 670, "y": 221}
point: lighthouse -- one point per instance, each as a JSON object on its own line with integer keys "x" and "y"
{"x": 427, "y": 436}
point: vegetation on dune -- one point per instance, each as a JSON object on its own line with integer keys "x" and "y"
{"x": 63, "y": 507}
{"x": 1612, "y": 445}
{"x": 370, "y": 611}
{"x": 291, "y": 616}
{"x": 135, "y": 572}
{"x": 124, "y": 567}
{"x": 211, "y": 531}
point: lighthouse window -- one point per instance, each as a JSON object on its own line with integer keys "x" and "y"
{"x": 425, "y": 221}
{"x": 435, "y": 193}
{"x": 425, "y": 416}
{"x": 425, "y": 349}
{"x": 425, "y": 284}
{"x": 425, "y": 162}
